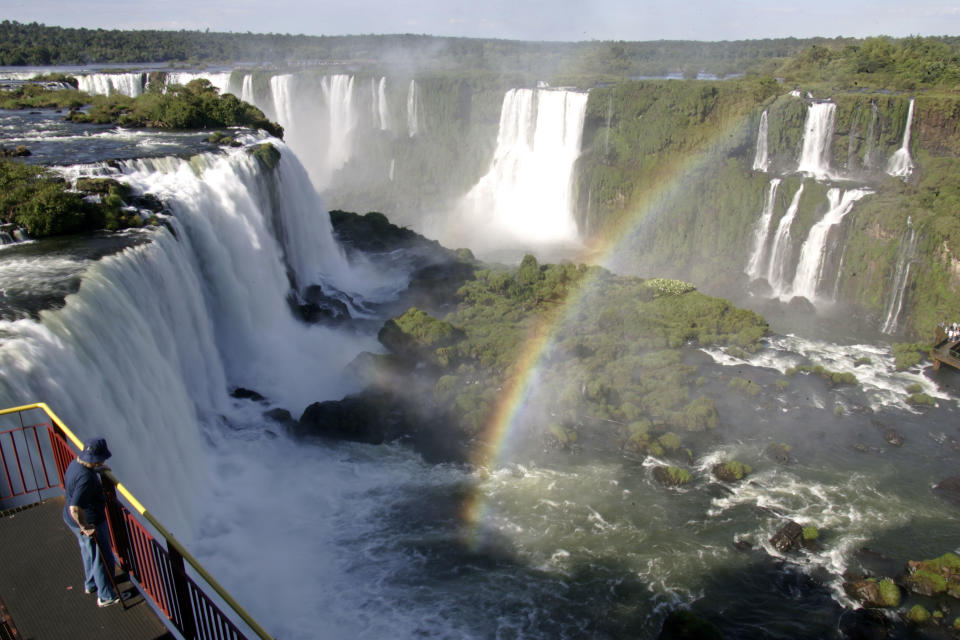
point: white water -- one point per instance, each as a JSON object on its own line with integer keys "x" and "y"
{"x": 901, "y": 277}
{"x": 813, "y": 252}
{"x": 762, "y": 231}
{"x": 128, "y": 84}
{"x": 381, "y": 111}
{"x": 761, "y": 158}
{"x": 526, "y": 196}
{"x": 900, "y": 163}
{"x": 780, "y": 251}
{"x": 817, "y": 135}
{"x": 319, "y": 119}
{"x": 413, "y": 110}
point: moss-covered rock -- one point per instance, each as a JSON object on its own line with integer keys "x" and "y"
{"x": 918, "y": 615}
{"x": 933, "y": 577}
{"x": 731, "y": 471}
{"x": 672, "y": 476}
{"x": 875, "y": 593}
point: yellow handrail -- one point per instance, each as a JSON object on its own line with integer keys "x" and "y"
{"x": 138, "y": 506}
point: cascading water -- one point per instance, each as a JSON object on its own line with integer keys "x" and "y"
{"x": 319, "y": 119}
{"x": 219, "y": 80}
{"x": 901, "y": 277}
{"x": 901, "y": 164}
{"x": 526, "y": 195}
{"x": 813, "y": 252}
{"x": 128, "y": 84}
{"x": 780, "y": 251}
{"x": 761, "y": 232}
{"x": 817, "y": 136}
{"x": 761, "y": 158}
{"x": 381, "y": 110}
{"x": 413, "y": 110}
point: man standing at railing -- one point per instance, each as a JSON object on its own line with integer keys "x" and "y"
{"x": 85, "y": 514}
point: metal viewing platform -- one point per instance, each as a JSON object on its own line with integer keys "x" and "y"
{"x": 945, "y": 351}
{"x": 41, "y": 581}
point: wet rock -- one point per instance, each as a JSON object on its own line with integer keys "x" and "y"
{"x": 865, "y": 624}
{"x": 788, "y": 538}
{"x": 282, "y": 417}
{"x": 368, "y": 417}
{"x": 934, "y": 577}
{"x": 742, "y": 545}
{"x": 893, "y": 438}
{"x": 246, "y": 394}
{"x": 949, "y": 490}
{"x": 874, "y": 593}
{"x": 731, "y": 471}
{"x": 672, "y": 476}
{"x": 779, "y": 452}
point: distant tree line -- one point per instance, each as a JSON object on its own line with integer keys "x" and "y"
{"x": 38, "y": 44}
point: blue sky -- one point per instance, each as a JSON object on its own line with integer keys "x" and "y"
{"x": 511, "y": 19}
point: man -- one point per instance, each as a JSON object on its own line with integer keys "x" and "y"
{"x": 85, "y": 514}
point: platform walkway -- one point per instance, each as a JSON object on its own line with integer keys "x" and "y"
{"x": 41, "y": 583}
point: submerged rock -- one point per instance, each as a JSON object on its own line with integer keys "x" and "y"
{"x": 949, "y": 490}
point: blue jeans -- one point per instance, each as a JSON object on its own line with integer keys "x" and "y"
{"x": 95, "y": 573}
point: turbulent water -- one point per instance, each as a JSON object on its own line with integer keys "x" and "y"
{"x": 140, "y": 336}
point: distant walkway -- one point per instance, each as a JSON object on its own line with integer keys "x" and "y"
{"x": 41, "y": 583}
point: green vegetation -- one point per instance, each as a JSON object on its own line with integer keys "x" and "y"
{"x": 907, "y": 355}
{"x": 672, "y": 476}
{"x": 918, "y": 614}
{"x": 197, "y": 105}
{"x": 835, "y": 378}
{"x": 37, "y": 96}
{"x": 42, "y": 203}
{"x": 746, "y": 387}
{"x": 731, "y": 471}
{"x": 613, "y": 365}
{"x": 889, "y": 592}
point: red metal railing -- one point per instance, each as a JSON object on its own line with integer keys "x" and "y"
{"x": 177, "y": 585}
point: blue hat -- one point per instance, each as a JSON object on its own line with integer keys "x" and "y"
{"x": 94, "y": 451}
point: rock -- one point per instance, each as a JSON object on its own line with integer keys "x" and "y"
{"x": 873, "y": 593}
{"x": 731, "y": 471}
{"x": 780, "y": 452}
{"x": 246, "y": 394}
{"x": 934, "y": 577}
{"x": 865, "y": 624}
{"x": 949, "y": 490}
{"x": 788, "y": 538}
{"x": 672, "y": 476}
{"x": 282, "y": 417}
{"x": 893, "y": 437}
{"x": 318, "y": 307}
{"x": 369, "y": 417}
{"x": 918, "y": 614}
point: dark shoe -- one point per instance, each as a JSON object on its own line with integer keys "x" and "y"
{"x": 90, "y": 590}
{"x": 107, "y": 603}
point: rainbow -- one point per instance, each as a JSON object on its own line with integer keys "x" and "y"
{"x": 501, "y": 429}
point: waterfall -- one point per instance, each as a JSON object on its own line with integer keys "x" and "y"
{"x": 413, "y": 108}
{"x": 220, "y": 80}
{"x": 246, "y": 89}
{"x": 319, "y": 120}
{"x": 780, "y": 251}
{"x": 145, "y": 351}
{"x": 526, "y": 195}
{"x": 762, "y": 231}
{"x": 814, "y": 249}
{"x": 817, "y": 135}
{"x": 381, "y": 113}
{"x": 901, "y": 277}
{"x": 900, "y": 164}
{"x": 761, "y": 159}
{"x": 105, "y": 84}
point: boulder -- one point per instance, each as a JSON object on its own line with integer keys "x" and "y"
{"x": 949, "y": 490}
{"x": 731, "y": 471}
{"x": 672, "y": 476}
{"x": 788, "y": 538}
{"x": 874, "y": 593}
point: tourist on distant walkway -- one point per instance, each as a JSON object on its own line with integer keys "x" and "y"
{"x": 85, "y": 514}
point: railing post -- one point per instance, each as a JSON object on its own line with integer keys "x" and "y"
{"x": 118, "y": 530}
{"x": 181, "y": 590}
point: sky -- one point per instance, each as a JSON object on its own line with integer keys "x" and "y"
{"x": 564, "y": 20}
